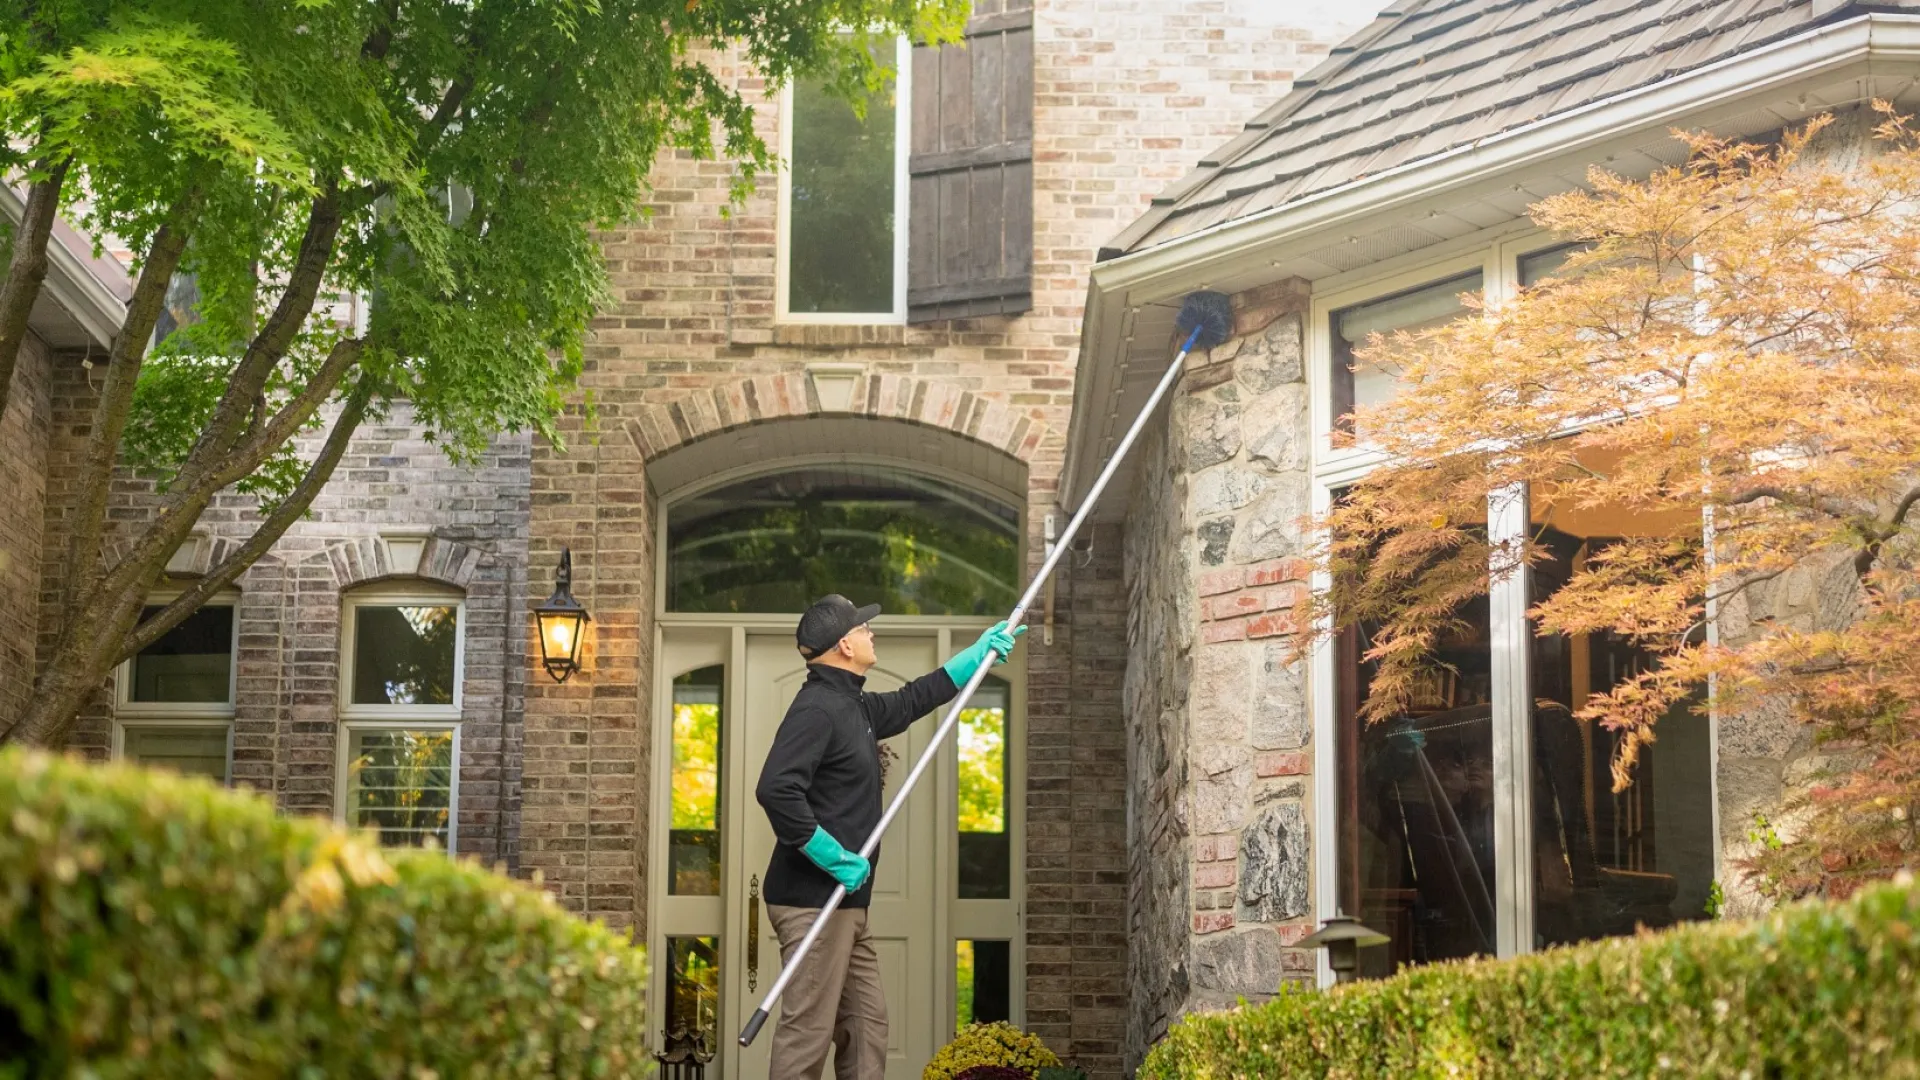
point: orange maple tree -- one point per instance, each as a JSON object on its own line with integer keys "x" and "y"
{"x": 1737, "y": 341}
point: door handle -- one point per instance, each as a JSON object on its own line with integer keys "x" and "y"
{"x": 753, "y": 933}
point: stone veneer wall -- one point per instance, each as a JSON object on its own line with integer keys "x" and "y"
{"x": 24, "y": 430}
{"x": 1218, "y": 730}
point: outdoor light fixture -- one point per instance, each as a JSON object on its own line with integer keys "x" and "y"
{"x": 563, "y": 623}
{"x": 1343, "y": 936}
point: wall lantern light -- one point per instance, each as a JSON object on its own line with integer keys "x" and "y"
{"x": 563, "y": 623}
{"x": 1343, "y": 936}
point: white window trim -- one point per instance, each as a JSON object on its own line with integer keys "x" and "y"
{"x": 415, "y": 595}
{"x": 1497, "y": 256}
{"x": 783, "y": 243}
{"x": 342, "y": 755}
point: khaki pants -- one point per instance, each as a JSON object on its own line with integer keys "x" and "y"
{"x": 834, "y": 999}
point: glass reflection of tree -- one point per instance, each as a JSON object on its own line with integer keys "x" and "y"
{"x": 983, "y": 770}
{"x": 914, "y": 556}
{"x": 841, "y": 253}
{"x": 963, "y": 983}
{"x": 694, "y": 811}
{"x": 694, "y": 1002}
{"x": 402, "y": 783}
{"x": 405, "y": 655}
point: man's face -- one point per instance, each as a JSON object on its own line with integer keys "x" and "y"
{"x": 857, "y": 646}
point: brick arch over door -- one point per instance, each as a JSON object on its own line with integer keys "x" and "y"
{"x": 661, "y": 429}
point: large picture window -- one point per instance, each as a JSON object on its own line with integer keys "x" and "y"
{"x": 1482, "y": 819}
{"x": 402, "y": 655}
{"x": 174, "y": 704}
{"x": 914, "y": 544}
{"x": 843, "y": 223}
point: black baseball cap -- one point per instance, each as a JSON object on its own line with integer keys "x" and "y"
{"x": 831, "y": 618}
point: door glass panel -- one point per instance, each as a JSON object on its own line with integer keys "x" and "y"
{"x": 913, "y": 544}
{"x": 191, "y": 662}
{"x": 1607, "y": 862}
{"x": 400, "y": 784}
{"x": 986, "y": 854}
{"x": 840, "y": 250}
{"x": 196, "y": 750}
{"x": 1416, "y": 802}
{"x": 983, "y": 980}
{"x": 404, "y": 655}
{"x": 693, "y": 842}
{"x": 693, "y": 990}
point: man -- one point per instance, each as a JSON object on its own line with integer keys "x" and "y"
{"x": 821, "y": 789}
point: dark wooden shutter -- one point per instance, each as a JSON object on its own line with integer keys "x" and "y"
{"x": 970, "y": 222}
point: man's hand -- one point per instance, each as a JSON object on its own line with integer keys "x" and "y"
{"x": 968, "y": 660}
{"x": 847, "y": 867}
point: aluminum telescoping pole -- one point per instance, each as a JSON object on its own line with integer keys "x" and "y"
{"x": 1019, "y": 615}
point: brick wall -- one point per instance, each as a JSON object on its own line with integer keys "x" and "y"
{"x": 23, "y": 490}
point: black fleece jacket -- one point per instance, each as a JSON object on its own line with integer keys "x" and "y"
{"x": 824, "y": 769}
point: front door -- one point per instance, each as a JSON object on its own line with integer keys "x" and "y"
{"x": 726, "y": 690}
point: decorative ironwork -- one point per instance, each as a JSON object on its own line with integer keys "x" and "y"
{"x": 753, "y": 932}
{"x": 685, "y": 1055}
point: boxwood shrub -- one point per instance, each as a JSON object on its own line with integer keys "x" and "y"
{"x": 157, "y": 926}
{"x": 1811, "y": 990}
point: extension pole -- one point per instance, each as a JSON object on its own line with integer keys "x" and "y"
{"x": 1019, "y": 615}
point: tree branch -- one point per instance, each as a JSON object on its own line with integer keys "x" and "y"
{"x": 27, "y": 269}
{"x": 285, "y": 423}
{"x": 270, "y": 345}
{"x": 116, "y": 397}
{"x": 264, "y": 536}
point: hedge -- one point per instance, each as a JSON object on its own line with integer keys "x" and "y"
{"x": 157, "y": 926}
{"x": 1811, "y": 990}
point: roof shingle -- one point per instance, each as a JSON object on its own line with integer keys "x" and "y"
{"x": 1428, "y": 76}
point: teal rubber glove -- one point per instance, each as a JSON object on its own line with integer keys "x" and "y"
{"x": 968, "y": 660}
{"x": 847, "y": 867}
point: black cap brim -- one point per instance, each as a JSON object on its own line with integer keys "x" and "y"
{"x": 863, "y": 616}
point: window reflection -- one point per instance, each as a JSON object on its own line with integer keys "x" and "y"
{"x": 913, "y": 544}
{"x": 191, "y": 750}
{"x": 983, "y": 982}
{"x": 405, "y": 654}
{"x": 1354, "y": 382}
{"x": 840, "y": 251}
{"x": 693, "y": 840}
{"x": 1416, "y": 794}
{"x": 193, "y": 662}
{"x": 400, "y": 784}
{"x": 986, "y": 853}
{"x": 1607, "y": 863}
{"x": 693, "y": 989}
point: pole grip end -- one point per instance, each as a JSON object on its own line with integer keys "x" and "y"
{"x": 752, "y": 1030}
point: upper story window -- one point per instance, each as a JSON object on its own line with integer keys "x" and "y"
{"x": 174, "y": 702}
{"x": 404, "y": 654}
{"x": 846, "y": 205}
{"x": 1355, "y": 382}
{"x": 402, "y": 659}
{"x": 914, "y": 544}
{"x": 922, "y": 209}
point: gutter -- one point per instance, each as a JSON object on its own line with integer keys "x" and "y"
{"x": 93, "y": 290}
{"x": 1167, "y": 271}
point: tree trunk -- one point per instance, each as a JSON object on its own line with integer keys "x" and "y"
{"x": 27, "y": 270}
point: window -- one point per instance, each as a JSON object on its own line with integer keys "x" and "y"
{"x": 986, "y": 851}
{"x": 1417, "y": 802}
{"x": 693, "y": 838}
{"x": 174, "y": 706}
{"x": 402, "y": 659}
{"x": 1607, "y": 862}
{"x": 914, "y": 544}
{"x": 983, "y": 982}
{"x": 844, "y": 220}
{"x": 1353, "y": 382}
